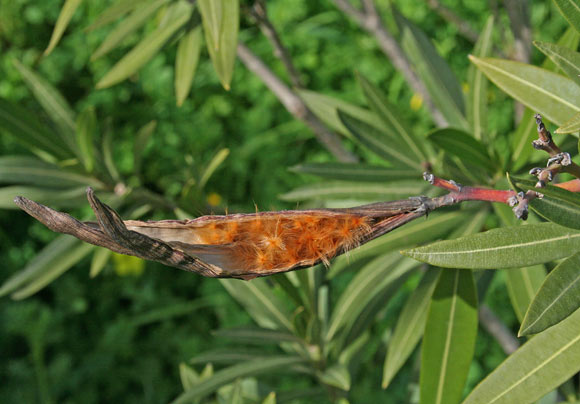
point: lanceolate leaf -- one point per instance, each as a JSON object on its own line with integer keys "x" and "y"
{"x": 567, "y": 59}
{"x": 224, "y": 55}
{"x": 147, "y": 48}
{"x": 522, "y": 138}
{"x": 186, "y": 62}
{"x": 336, "y": 376}
{"x": 410, "y": 326}
{"x": 246, "y": 369}
{"x": 462, "y": 145}
{"x": 522, "y": 285}
{"x": 29, "y": 131}
{"x": 434, "y": 71}
{"x": 570, "y": 9}
{"x": 392, "y": 119}
{"x": 52, "y": 102}
{"x": 360, "y": 191}
{"x": 256, "y": 335}
{"x": 558, "y": 205}
{"x": 136, "y": 20}
{"x": 507, "y": 247}
{"x": 32, "y": 171}
{"x": 369, "y": 281}
{"x": 86, "y": 130}
{"x": 260, "y": 302}
{"x": 354, "y": 172}
{"x": 378, "y": 141}
{"x": 449, "y": 339}
{"x": 66, "y": 13}
{"x": 477, "y": 95}
{"x": 114, "y": 11}
{"x": 558, "y": 297}
{"x": 212, "y": 16}
{"x": 553, "y": 96}
{"x": 326, "y": 109}
{"x": 539, "y": 366}
{"x": 50, "y": 196}
{"x": 50, "y": 263}
{"x": 571, "y": 126}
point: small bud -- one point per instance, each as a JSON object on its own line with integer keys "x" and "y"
{"x": 512, "y": 201}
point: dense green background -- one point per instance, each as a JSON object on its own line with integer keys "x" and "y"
{"x": 122, "y": 335}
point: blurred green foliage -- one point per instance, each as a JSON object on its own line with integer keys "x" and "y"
{"x": 122, "y": 335}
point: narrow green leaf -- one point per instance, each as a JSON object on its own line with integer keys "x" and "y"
{"x": 392, "y": 120}
{"x": 108, "y": 159}
{"x": 188, "y": 376}
{"x": 147, "y": 48}
{"x": 86, "y": 131}
{"x": 52, "y": 102}
{"x": 522, "y": 139}
{"x": 378, "y": 141}
{"x": 410, "y": 326}
{"x": 507, "y": 247}
{"x": 66, "y": 13}
{"x": 141, "y": 140}
{"x": 570, "y": 39}
{"x": 136, "y": 20}
{"x": 228, "y": 356}
{"x": 557, "y": 205}
{"x": 256, "y": 335}
{"x": 168, "y": 312}
{"x": 213, "y": 165}
{"x": 257, "y": 298}
{"x": 433, "y": 71}
{"x": 462, "y": 145}
{"x": 246, "y": 369}
{"x": 416, "y": 232}
{"x": 212, "y": 16}
{"x": 100, "y": 258}
{"x": 368, "y": 282}
{"x": 30, "y": 132}
{"x": 186, "y": 60}
{"x": 113, "y": 12}
{"x": 354, "y": 172}
{"x": 522, "y": 285}
{"x": 539, "y": 366}
{"x": 336, "y": 376}
{"x": 224, "y": 55}
{"x": 37, "y": 265}
{"x": 48, "y": 196}
{"x": 32, "y": 171}
{"x": 567, "y": 59}
{"x": 477, "y": 95}
{"x": 361, "y": 191}
{"x": 449, "y": 340}
{"x": 270, "y": 398}
{"x": 555, "y": 97}
{"x": 557, "y": 298}
{"x": 570, "y": 10}
{"x": 56, "y": 258}
{"x": 571, "y": 126}
{"x": 326, "y": 109}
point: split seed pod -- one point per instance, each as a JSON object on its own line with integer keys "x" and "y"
{"x": 241, "y": 246}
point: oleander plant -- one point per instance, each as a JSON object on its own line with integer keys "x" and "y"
{"x": 174, "y": 109}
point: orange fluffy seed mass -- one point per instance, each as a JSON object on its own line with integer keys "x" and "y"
{"x": 263, "y": 243}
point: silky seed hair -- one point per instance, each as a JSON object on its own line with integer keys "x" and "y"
{"x": 260, "y": 243}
